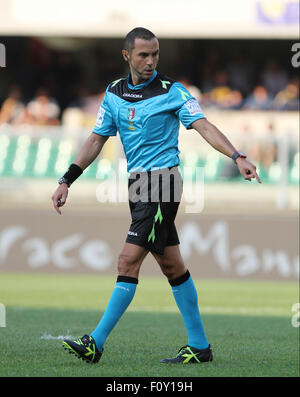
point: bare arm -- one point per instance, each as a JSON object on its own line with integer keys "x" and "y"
{"x": 218, "y": 141}
{"x": 90, "y": 150}
{"x": 87, "y": 154}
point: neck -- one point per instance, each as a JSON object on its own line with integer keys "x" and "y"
{"x": 136, "y": 79}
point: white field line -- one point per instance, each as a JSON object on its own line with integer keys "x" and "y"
{"x": 59, "y": 337}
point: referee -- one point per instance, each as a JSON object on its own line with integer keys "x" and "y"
{"x": 146, "y": 108}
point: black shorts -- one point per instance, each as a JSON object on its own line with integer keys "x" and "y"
{"x": 154, "y": 198}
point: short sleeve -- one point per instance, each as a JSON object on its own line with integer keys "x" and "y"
{"x": 188, "y": 109}
{"x": 105, "y": 124}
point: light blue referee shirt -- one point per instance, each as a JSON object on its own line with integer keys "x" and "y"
{"x": 147, "y": 117}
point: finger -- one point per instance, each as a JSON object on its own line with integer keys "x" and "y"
{"x": 57, "y": 209}
{"x": 55, "y": 205}
{"x": 254, "y": 175}
{"x": 61, "y": 202}
{"x": 257, "y": 178}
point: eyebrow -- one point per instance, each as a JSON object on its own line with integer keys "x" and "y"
{"x": 148, "y": 53}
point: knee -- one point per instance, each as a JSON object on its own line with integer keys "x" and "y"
{"x": 168, "y": 270}
{"x": 172, "y": 270}
{"x": 171, "y": 263}
{"x": 128, "y": 265}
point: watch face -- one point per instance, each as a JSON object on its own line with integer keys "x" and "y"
{"x": 238, "y": 154}
{"x": 63, "y": 180}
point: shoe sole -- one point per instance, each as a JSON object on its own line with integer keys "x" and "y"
{"x": 182, "y": 363}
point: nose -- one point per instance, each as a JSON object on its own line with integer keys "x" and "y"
{"x": 150, "y": 61}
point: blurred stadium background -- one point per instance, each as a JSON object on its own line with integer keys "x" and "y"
{"x": 235, "y": 57}
{"x": 60, "y": 56}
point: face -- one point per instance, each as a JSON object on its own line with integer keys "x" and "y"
{"x": 142, "y": 59}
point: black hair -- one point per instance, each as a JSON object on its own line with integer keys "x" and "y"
{"x": 137, "y": 33}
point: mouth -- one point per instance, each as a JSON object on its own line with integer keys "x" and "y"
{"x": 148, "y": 71}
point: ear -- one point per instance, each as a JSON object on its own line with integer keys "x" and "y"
{"x": 125, "y": 55}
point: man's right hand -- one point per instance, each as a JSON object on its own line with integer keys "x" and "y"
{"x": 61, "y": 194}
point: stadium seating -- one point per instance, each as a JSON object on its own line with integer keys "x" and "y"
{"x": 43, "y": 157}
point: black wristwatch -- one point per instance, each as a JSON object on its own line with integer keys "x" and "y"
{"x": 64, "y": 180}
{"x": 238, "y": 154}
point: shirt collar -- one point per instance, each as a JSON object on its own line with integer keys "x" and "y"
{"x": 142, "y": 85}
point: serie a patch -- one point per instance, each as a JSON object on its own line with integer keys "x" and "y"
{"x": 193, "y": 106}
{"x": 100, "y": 117}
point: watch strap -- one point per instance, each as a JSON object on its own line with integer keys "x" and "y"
{"x": 238, "y": 154}
{"x": 71, "y": 175}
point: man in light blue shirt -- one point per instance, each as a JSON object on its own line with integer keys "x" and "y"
{"x": 146, "y": 108}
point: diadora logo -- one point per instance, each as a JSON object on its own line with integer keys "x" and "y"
{"x": 138, "y": 96}
{"x": 132, "y": 233}
{"x": 130, "y": 113}
{"x": 124, "y": 288}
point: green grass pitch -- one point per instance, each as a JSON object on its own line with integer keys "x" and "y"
{"x": 248, "y": 324}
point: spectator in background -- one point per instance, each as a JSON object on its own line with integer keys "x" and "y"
{"x": 220, "y": 94}
{"x": 288, "y": 98}
{"x": 13, "y": 111}
{"x": 273, "y": 78}
{"x": 258, "y": 100}
{"x": 234, "y": 100}
{"x": 43, "y": 110}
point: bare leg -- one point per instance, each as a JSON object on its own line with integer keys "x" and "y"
{"x": 131, "y": 259}
{"x": 171, "y": 262}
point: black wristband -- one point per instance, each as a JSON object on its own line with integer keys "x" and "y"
{"x": 73, "y": 173}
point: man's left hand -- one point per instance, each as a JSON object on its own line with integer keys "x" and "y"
{"x": 247, "y": 169}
